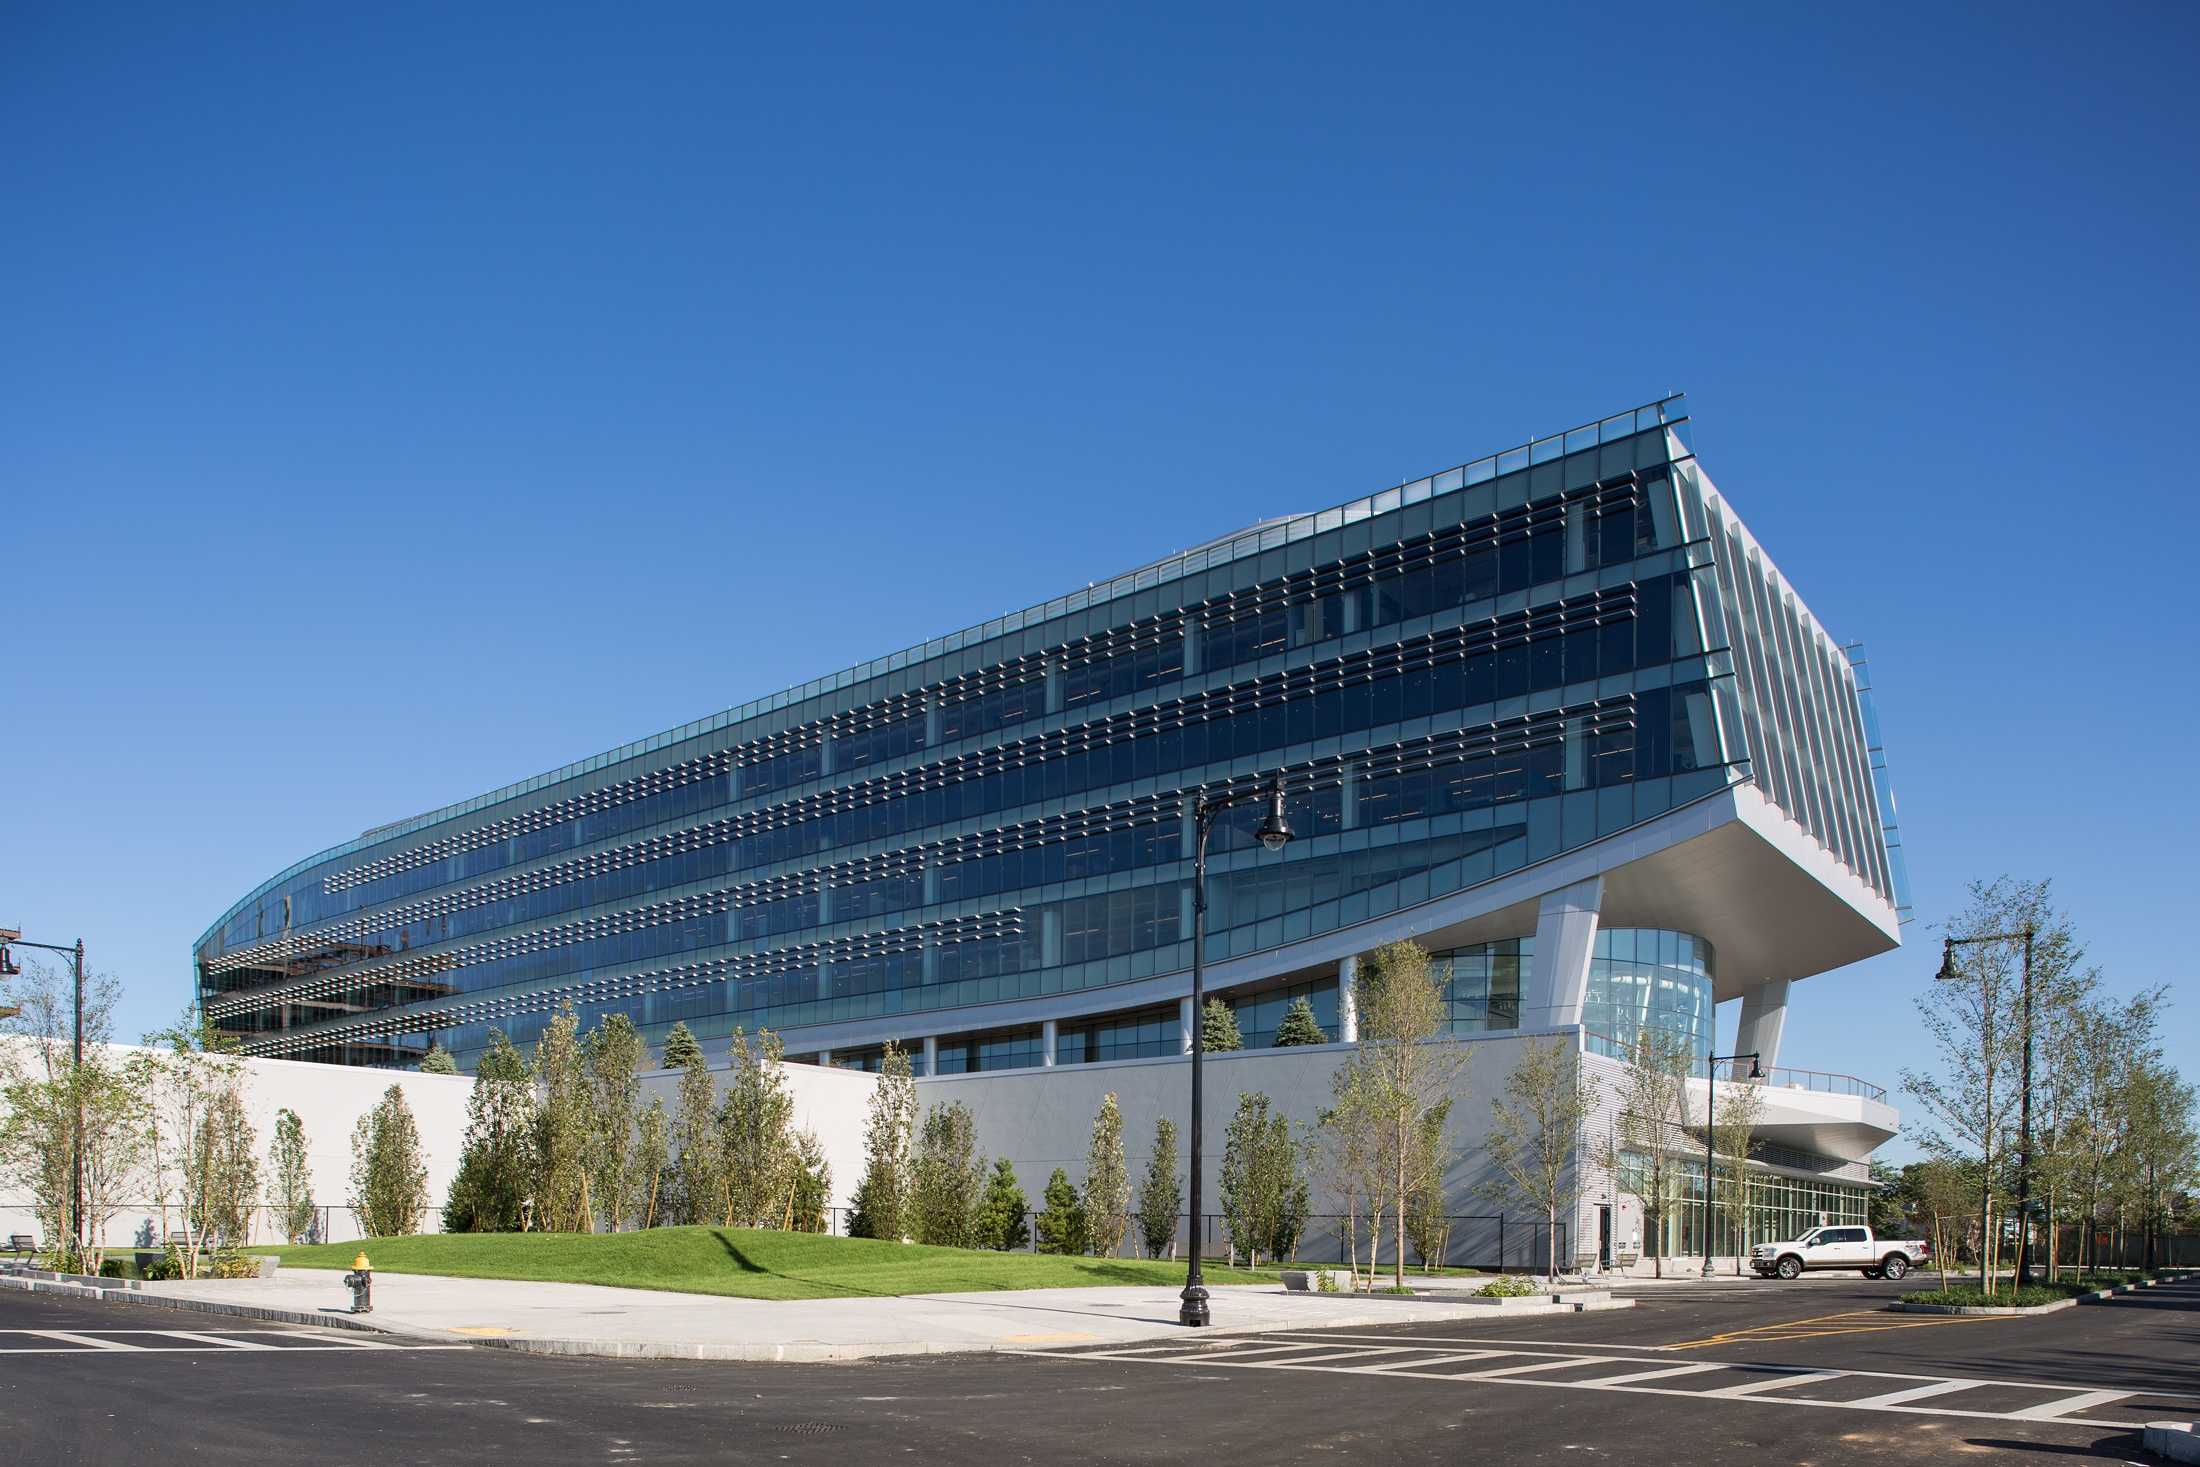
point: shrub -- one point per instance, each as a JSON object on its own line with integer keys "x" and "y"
{"x": 1218, "y": 1028}
{"x": 1062, "y": 1223}
{"x": 1508, "y": 1286}
{"x": 1001, "y": 1213}
{"x": 1970, "y": 1296}
{"x": 947, "y": 1179}
{"x": 1299, "y": 1026}
{"x": 231, "y": 1266}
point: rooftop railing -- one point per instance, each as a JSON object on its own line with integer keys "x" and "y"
{"x": 1824, "y": 1081}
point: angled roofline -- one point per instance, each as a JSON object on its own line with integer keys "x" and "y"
{"x": 1666, "y": 411}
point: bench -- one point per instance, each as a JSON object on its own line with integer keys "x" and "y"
{"x": 22, "y": 1245}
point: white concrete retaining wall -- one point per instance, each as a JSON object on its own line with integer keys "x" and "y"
{"x": 329, "y": 1100}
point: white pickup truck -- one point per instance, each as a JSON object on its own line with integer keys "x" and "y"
{"x": 1840, "y": 1247}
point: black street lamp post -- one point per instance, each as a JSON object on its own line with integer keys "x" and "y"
{"x": 1275, "y": 834}
{"x": 11, "y": 938}
{"x": 1710, "y": 1131}
{"x": 1948, "y": 974}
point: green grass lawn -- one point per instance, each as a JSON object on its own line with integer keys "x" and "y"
{"x": 740, "y": 1262}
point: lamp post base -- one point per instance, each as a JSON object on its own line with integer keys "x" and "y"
{"x": 1193, "y": 1314}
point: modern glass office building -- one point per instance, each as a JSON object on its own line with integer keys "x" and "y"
{"x": 1553, "y": 713}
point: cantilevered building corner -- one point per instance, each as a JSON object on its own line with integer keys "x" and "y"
{"x": 1555, "y": 714}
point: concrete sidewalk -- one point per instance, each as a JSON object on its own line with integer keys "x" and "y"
{"x": 587, "y": 1319}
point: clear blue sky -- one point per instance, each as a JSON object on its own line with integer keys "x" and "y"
{"x": 399, "y": 402}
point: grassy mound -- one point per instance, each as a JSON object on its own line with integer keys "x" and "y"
{"x": 740, "y": 1262}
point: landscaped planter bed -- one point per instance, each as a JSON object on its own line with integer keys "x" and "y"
{"x": 1922, "y": 1303}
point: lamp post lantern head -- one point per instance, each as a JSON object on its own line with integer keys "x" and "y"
{"x": 1756, "y": 1068}
{"x": 1275, "y": 831}
{"x": 1947, "y": 971}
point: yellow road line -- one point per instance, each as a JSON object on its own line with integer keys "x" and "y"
{"x": 1853, "y": 1322}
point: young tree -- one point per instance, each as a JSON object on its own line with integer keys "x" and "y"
{"x": 1062, "y": 1220}
{"x": 560, "y": 1198}
{"x": 1161, "y": 1194}
{"x": 224, "y": 1171}
{"x": 1264, "y": 1196}
{"x": 614, "y": 1056}
{"x": 1644, "y": 1153}
{"x": 1001, "y": 1224}
{"x": 1299, "y": 1025}
{"x": 882, "y": 1197}
{"x": 48, "y": 1094}
{"x": 187, "y": 1072}
{"x": 1107, "y": 1181}
{"x": 1218, "y": 1028}
{"x": 1349, "y": 1151}
{"x": 2163, "y": 1148}
{"x": 1535, "y": 1134}
{"x": 756, "y": 1153}
{"x": 946, "y": 1178}
{"x": 1428, "y": 1210}
{"x": 2106, "y": 1040}
{"x": 694, "y": 1194}
{"x": 292, "y": 1177}
{"x": 813, "y": 1184}
{"x": 1406, "y": 1065}
{"x": 496, "y": 1167}
{"x": 389, "y": 1171}
{"x": 115, "y": 1131}
{"x": 652, "y": 1159}
{"x": 1735, "y": 1118}
{"x": 1975, "y": 1020}
{"x": 438, "y": 1061}
{"x": 1938, "y": 1192}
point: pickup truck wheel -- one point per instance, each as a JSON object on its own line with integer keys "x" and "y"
{"x": 1791, "y": 1268}
{"x": 1895, "y": 1266}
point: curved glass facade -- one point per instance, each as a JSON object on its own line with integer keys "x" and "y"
{"x": 1458, "y": 678}
{"x": 1644, "y": 979}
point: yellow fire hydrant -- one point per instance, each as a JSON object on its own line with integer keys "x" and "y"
{"x": 361, "y": 1283}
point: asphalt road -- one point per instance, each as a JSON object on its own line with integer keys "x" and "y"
{"x": 1735, "y": 1372}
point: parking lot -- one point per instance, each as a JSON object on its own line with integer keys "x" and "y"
{"x": 1734, "y": 1371}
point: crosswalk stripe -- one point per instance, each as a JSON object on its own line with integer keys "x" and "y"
{"x": 1406, "y": 1367}
{"x": 1360, "y": 1352}
{"x": 1919, "y": 1393}
{"x": 1752, "y": 1387}
{"x": 90, "y": 1342}
{"x": 1239, "y": 1353}
{"x": 1527, "y": 1369}
{"x": 2049, "y": 1410}
{"x": 227, "y": 1342}
{"x": 1671, "y": 1370}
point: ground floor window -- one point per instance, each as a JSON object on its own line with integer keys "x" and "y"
{"x": 1780, "y": 1207}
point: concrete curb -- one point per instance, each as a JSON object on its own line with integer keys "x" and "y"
{"x": 820, "y": 1353}
{"x": 1540, "y": 1302}
{"x": 1901, "y": 1308}
{"x": 335, "y": 1319}
{"x": 2175, "y": 1440}
{"x": 2098, "y": 1296}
